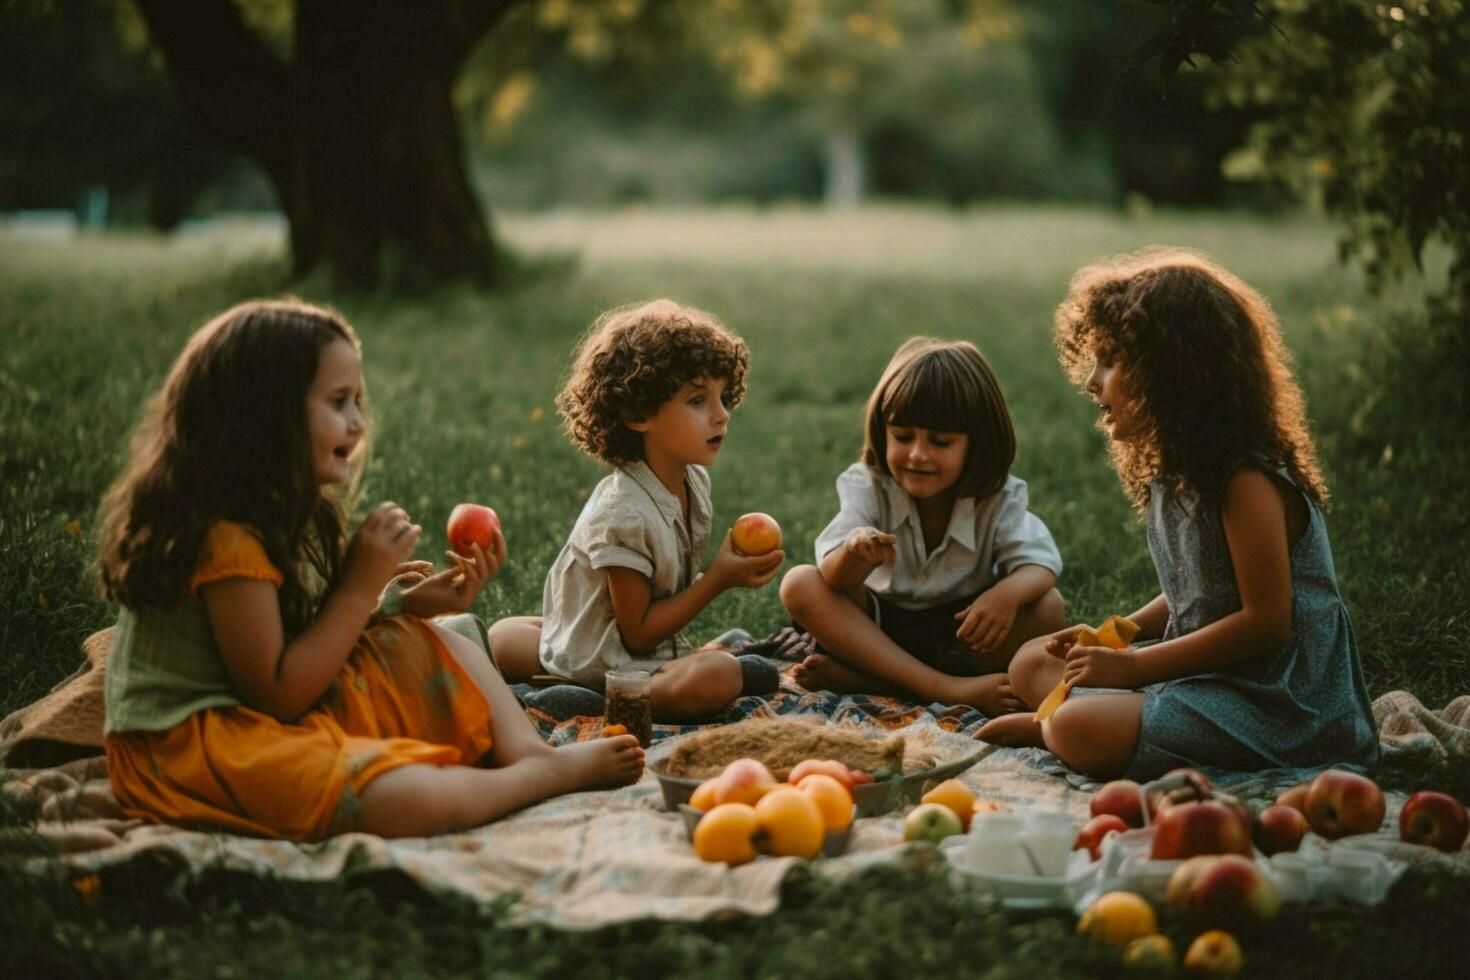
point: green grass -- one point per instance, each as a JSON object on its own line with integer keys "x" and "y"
{"x": 461, "y": 387}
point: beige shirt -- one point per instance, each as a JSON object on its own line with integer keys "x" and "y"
{"x": 630, "y": 521}
{"x": 986, "y": 540}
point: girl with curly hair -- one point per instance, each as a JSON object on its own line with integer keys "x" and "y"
{"x": 934, "y": 571}
{"x": 650, "y": 394}
{"x": 1246, "y": 659}
{"x": 268, "y": 674}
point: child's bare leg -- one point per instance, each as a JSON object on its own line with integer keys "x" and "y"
{"x": 692, "y": 688}
{"x": 1034, "y": 672}
{"x": 846, "y": 632}
{"x": 421, "y": 800}
{"x": 820, "y": 672}
{"x": 1040, "y": 618}
{"x": 515, "y": 643}
{"x": 1096, "y": 735}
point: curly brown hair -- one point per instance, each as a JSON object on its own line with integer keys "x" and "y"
{"x": 227, "y": 438}
{"x": 635, "y": 358}
{"x": 946, "y": 386}
{"x": 1201, "y": 353}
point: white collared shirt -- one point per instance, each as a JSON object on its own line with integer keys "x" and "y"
{"x": 986, "y": 540}
{"x": 630, "y": 521}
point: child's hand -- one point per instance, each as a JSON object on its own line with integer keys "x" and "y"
{"x": 381, "y": 545}
{"x": 986, "y": 622}
{"x": 731, "y": 569}
{"x": 1058, "y": 643}
{"x": 1101, "y": 667}
{"x": 454, "y": 589}
{"x": 871, "y": 545}
{"x": 411, "y": 573}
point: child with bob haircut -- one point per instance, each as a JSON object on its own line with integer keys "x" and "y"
{"x": 650, "y": 394}
{"x": 934, "y": 571}
{"x": 257, "y": 682}
{"x": 1247, "y": 659}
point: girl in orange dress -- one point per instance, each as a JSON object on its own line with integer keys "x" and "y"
{"x": 269, "y": 676}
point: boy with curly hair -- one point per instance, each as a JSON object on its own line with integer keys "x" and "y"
{"x": 650, "y": 394}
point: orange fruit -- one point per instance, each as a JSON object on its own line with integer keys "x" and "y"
{"x": 608, "y": 731}
{"x": 831, "y": 798}
{"x": 791, "y": 822}
{"x": 1118, "y": 918}
{"x": 703, "y": 796}
{"x": 744, "y": 781}
{"x": 727, "y": 834}
{"x": 831, "y": 767}
{"x": 955, "y": 795}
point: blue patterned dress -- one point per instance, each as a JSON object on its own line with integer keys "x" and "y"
{"x": 1302, "y": 706}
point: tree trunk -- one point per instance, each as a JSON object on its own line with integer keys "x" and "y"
{"x": 359, "y": 135}
{"x": 846, "y": 180}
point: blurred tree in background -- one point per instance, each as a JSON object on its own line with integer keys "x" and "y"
{"x": 1366, "y": 107}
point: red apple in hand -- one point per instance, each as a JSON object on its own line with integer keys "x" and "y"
{"x": 1203, "y": 827}
{"x": 1280, "y": 828}
{"x": 471, "y": 524}
{"x": 1122, "y": 798}
{"x": 1436, "y": 819}
{"x": 756, "y": 534}
{"x": 1341, "y": 803}
{"x": 1092, "y": 833}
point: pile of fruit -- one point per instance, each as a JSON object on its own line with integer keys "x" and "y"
{"x": 746, "y": 812}
{"x": 1217, "y": 884}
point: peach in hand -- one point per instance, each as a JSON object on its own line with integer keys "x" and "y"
{"x": 471, "y": 524}
{"x": 755, "y": 534}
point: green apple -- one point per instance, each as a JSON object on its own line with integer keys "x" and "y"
{"x": 932, "y": 822}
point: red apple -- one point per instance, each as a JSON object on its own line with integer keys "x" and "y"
{"x": 1340, "y": 803}
{"x": 471, "y": 524}
{"x": 1181, "y": 882}
{"x": 1203, "y": 827}
{"x": 1122, "y": 798}
{"x": 1092, "y": 833}
{"x": 1233, "y": 889}
{"x": 1279, "y": 828}
{"x": 756, "y": 534}
{"x": 1296, "y": 797}
{"x": 744, "y": 781}
{"x": 1436, "y": 819}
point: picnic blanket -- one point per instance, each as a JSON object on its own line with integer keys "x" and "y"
{"x": 592, "y": 859}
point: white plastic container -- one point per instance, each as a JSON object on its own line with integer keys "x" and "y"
{"x": 996, "y": 844}
{"x": 1051, "y": 834}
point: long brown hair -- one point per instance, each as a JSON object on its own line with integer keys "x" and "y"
{"x": 226, "y": 438}
{"x": 1201, "y": 353}
{"x": 946, "y": 386}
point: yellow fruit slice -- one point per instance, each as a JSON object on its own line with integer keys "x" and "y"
{"x": 1053, "y": 701}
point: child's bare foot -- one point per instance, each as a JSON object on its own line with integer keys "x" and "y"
{"x": 824, "y": 672}
{"x": 616, "y": 761}
{"x": 991, "y": 693}
{"x": 1019, "y": 729}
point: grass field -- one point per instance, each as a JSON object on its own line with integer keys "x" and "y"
{"x": 461, "y": 387}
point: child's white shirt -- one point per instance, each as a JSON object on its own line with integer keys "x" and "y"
{"x": 986, "y": 540}
{"x": 631, "y": 520}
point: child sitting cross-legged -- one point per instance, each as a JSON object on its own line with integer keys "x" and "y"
{"x": 650, "y": 394}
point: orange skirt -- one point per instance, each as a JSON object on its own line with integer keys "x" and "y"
{"x": 401, "y": 698}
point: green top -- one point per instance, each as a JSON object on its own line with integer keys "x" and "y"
{"x": 165, "y": 664}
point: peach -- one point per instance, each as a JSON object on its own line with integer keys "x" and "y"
{"x": 703, "y": 797}
{"x": 791, "y": 823}
{"x": 1342, "y": 803}
{"x": 832, "y": 799}
{"x": 1233, "y": 889}
{"x": 1296, "y": 797}
{"x": 727, "y": 833}
{"x": 1092, "y": 833}
{"x": 1436, "y": 819}
{"x": 471, "y": 524}
{"x": 755, "y": 534}
{"x": 1118, "y": 918}
{"x": 831, "y": 767}
{"x": 1123, "y": 798}
{"x": 1280, "y": 828}
{"x": 1214, "y": 953}
{"x": 744, "y": 781}
{"x": 955, "y": 795}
